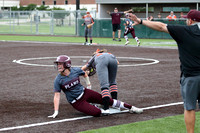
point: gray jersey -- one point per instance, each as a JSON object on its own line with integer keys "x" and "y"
{"x": 106, "y": 67}
{"x": 70, "y": 85}
{"x": 88, "y": 20}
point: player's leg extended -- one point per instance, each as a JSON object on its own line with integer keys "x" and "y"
{"x": 136, "y": 38}
{"x": 125, "y": 36}
{"x": 112, "y": 70}
{"x": 102, "y": 74}
{"x": 83, "y": 106}
{"x": 123, "y": 105}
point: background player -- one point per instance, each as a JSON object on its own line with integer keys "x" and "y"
{"x": 129, "y": 29}
{"x": 88, "y": 22}
{"x": 78, "y": 96}
{"x": 116, "y": 21}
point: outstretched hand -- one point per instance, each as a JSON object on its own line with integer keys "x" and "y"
{"x": 129, "y": 11}
{"x": 134, "y": 18}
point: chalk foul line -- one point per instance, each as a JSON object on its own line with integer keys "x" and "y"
{"x": 80, "y": 118}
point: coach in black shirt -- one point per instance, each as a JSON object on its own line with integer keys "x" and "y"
{"x": 188, "y": 40}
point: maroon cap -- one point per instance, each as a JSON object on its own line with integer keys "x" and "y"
{"x": 87, "y": 12}
{"x": 194, "y": 15}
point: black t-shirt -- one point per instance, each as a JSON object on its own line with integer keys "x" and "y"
{"x": 188, "y": 40}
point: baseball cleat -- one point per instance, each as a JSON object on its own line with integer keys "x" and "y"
{"x": 114, "y": 40}
{"x": 85, "y": 43}
{"x": 119, "y": 40}
{"x": 135, "y": 110}
{"x": 138, "y": 43}
{"x": 127, "y": 42}
{"x": 89, "y": 44}
{"x": 105, "y": 112}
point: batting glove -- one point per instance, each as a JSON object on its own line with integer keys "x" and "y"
{"x": 54, "y": 115}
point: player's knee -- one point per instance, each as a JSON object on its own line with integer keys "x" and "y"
{"x": 97, "y": 113}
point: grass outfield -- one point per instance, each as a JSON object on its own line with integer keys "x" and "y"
{"x": 144, "y": 42}
{"x": 172, "y": 124}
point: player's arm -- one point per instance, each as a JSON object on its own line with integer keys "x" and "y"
{"x": 159, "y": 26}
{"x": 84, "y": 68}
{"x": 108, "y": 12}
{"x": 87, "y": 80}
{"x": 56, "y": 104}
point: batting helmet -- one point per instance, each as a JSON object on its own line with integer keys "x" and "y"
{"x": 63, "y": 59}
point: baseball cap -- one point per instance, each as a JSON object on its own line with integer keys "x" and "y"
{"x": 194, "y": 15}
{"x": 87, "y": 12}
{"x": 116, "y": 8}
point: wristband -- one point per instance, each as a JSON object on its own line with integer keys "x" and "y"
{"x": 141, "y": 21}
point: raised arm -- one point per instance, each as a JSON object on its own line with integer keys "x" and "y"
{"x": 159, "y": 26}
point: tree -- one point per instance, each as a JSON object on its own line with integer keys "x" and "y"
{"x": 43, "y": 8}
{"x": 31, "y": 7}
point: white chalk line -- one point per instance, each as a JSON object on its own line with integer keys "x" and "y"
{"x": 21, "y": 61}
{"x": 81, "y": 118}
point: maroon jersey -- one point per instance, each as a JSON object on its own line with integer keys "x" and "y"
{"x": 116, "y": 17}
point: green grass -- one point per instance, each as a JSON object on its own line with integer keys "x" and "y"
{"x": 43, "y": 28}
{"x": 144, "y": 42}
{"x": 172, "y": 124}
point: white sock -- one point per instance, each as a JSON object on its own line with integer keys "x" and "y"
{"x": 136, "y": 38}
{"x": 118, "y": 104}
{"x": 126, "y": 38}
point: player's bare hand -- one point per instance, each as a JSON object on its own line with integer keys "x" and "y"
{"x": 129, "y": 11}
{"x": 82, "y": 24}
{"x": 134, "y": 18}
{"x": 108, "y": 12}
{"x": 54, "y": 115}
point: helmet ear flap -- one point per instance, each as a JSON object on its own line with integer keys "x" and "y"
{"x": 67, "y": 65}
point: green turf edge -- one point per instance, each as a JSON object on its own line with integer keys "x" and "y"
{"x": 144, "y": 42}
{"x": 171, "y": 124}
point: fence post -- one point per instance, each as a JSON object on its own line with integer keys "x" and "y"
{"x": 52, "y": 23}
{"x": 37, "y": 23}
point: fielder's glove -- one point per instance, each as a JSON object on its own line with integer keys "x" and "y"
{"x": 54, "y": 115}
{"x": 89, "y": 26}
{"x": 91, "y": 71}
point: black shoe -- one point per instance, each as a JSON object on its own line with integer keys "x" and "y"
{"x": 114, "y": 40}
{"x": 119, "y": 40}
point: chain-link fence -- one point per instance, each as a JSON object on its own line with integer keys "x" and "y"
{"x": 103, "y": 28}
{"x": 40, "y": 22}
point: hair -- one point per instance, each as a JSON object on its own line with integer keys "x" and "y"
{"x": 102, "y": 50}
{"x": 99, "y": 51}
